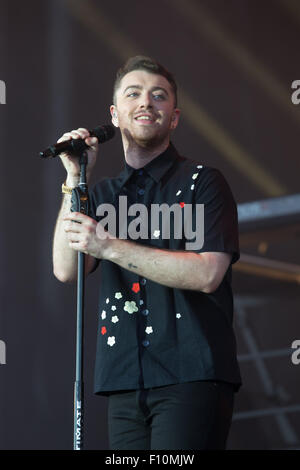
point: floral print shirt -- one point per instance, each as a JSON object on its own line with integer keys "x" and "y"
{"x": 150, "y": 335}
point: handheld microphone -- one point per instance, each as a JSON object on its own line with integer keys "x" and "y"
{"x": 76, "y": 146}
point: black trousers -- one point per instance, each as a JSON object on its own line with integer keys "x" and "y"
{"x": 188, "y": 416}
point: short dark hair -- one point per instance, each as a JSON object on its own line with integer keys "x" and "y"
{"x": 147, "y": 64}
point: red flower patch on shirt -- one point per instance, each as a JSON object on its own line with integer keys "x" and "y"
{"x": 103, "y": 330}
{"x": 136, "y": 287}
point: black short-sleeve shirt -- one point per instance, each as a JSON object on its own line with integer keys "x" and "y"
{"x": 150, "y": 335}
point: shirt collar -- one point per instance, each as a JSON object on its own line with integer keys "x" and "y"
{"x": 156, "y": 168}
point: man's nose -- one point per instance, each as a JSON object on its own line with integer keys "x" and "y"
{"x": 146, "y": 101}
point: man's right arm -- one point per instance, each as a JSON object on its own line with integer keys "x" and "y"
{"x": 65, "y": 259}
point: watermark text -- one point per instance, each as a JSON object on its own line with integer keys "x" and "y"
{"x": 296, "y": 354}
{"x": 2, "y": 92}
{"x": 296, "y": 94}
{"x": 2, "y": 352}
{"x": 163, "y": 221}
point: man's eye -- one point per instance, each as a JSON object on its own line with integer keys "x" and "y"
{"x": 159, "y": 97}
{"x": 133, "y": 93}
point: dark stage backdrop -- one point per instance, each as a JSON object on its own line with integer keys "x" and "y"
{"x": 235, "y": 62}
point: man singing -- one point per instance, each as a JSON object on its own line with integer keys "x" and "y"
{"x": 166, "y": 350}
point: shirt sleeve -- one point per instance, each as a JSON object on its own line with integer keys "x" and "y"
{"x": 220, "y": 214}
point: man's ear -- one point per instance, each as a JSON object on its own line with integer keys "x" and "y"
{"x": 175, "y": 118}
{"x": 114, "y": 116}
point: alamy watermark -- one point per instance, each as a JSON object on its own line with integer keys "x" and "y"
{"x": 296, "y": 94}
{"x": 158, "y": 221}
{"x": 296, "y": 354}
{"x": 2, "y": 92}
{"x": 2, "y": 352}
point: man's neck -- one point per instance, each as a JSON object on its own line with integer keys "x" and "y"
{"x": 137, "y": 157}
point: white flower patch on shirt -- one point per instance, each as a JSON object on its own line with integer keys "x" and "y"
{"x": 149, "y": 330}
{"x": 113, "y": 307}
{"x": 195, "y": 176}
{"x": 192, "y": 187}
{"x": 156, "y": 233}
{"x": 115, "y": 319}
{"x": 118, "y": 295}
{"x": 199, "y": 166}
{"x": 107, "y": 300}
{"x": 130, "y": 306}
{"x": 103, "y": 314}
{"x": 178, "y": 315}
{"x": 178, "y": 192}
{"x": 111, "y": 340}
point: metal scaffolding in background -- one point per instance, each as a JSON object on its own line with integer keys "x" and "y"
{"x": 264, "y": 223}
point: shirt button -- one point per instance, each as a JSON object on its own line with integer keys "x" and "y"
{"x": 143, "y": 281}
{"x": 145, "y": 311}
{"x": 141, "y": 191}
{"x": 145, "y": 343}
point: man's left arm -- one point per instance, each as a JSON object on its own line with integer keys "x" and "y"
{"x": 177, "y": 269}
{"x": 200, "y": 271}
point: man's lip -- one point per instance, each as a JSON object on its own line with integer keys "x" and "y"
{"x": 151, "y": 118}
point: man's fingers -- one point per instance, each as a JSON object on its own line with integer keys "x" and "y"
{"x": 65, "y": 137}
{"x": 76, "y": 135}
{"x": 73, "y": 237}
{"x": 72, "y": 227}
{"x": 91, "y": 140}
{"x": 78, "y": 222}
{"x": 76, "y": 217}
{"x": 84, "y": 133}
{"x": 79, "y": 133}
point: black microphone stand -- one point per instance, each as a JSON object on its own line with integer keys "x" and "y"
{"x": 80, "y": 203}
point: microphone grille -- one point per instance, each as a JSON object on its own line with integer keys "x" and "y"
{"x": 104, "y": 133}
